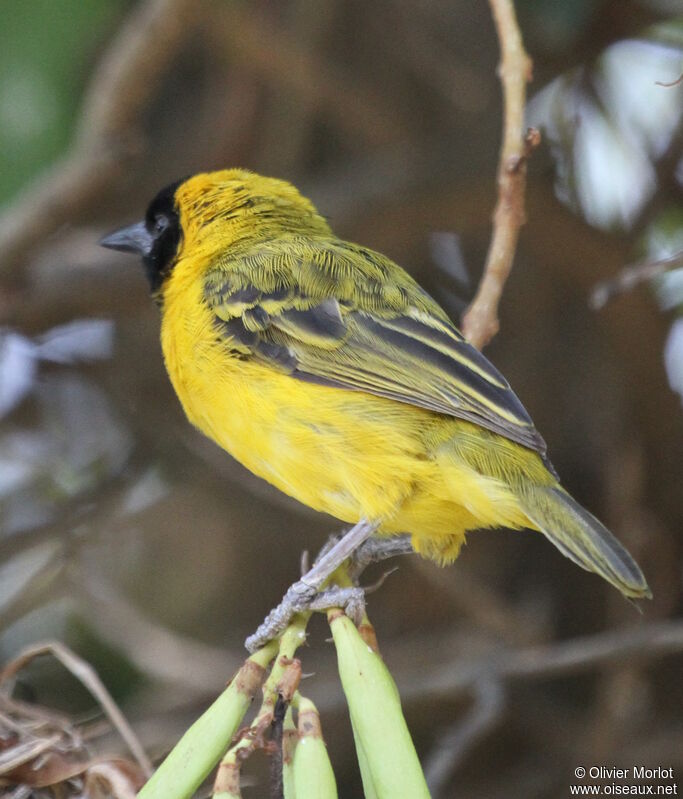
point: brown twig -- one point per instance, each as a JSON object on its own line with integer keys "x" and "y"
{"x": 480, "y": 322}
{"x": 85, "y": 673}
{"x": 670, "y": 84}
{"x": 630, "y": 277}
{"x": 38, "y": 588}
{"x": 643, "y": 643}
{"x": 107, "y": 137}
{"x": 454, "y": 743}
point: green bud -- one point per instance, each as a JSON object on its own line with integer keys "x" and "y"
{"x": 389, "y": 764}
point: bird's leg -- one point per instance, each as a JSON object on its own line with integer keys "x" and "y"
{"x": 303, "y": 595}
{"x": 372, "y": 550}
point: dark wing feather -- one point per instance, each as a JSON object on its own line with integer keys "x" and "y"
{"x": 337, "y": 315}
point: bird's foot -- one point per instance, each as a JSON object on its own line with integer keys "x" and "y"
{"x": 377, "y": 549}
{"x": 351, "y": 599}
{"x": 300, "y": 598}
{"x": 307, "y": 594}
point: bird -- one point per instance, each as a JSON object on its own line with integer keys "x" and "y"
{"x": 327, "y": 370}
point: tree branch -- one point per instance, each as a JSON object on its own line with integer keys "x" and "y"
{"x": 480, "y": 322}
{"x": 454, "y": 743}
{"x": 643, "y": 643}
{"x": 632, "y": 276}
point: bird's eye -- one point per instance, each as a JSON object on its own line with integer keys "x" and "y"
{"x": 160, "y": 223}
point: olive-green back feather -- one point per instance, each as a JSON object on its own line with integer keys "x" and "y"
{"x": 338, "y": 314}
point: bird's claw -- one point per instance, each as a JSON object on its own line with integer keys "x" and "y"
{"x": 351, "y": 600}
{"x": 308, "y": 593}
{"x": 301, "y": 597}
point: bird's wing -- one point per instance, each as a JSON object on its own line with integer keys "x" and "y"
{"x": 336, "y": 314}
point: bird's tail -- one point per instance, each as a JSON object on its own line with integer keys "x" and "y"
{"x": 582, "y": 538}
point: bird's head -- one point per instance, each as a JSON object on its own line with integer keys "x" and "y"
{"x": 207, "y": 215}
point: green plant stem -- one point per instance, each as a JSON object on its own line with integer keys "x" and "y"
{"x": 313, "y": 775}
{"x": 365, "y": 773}
{"x": 389, "y": 763}
{"x": 283, "y": 680}
{"x": 201, "y": 747}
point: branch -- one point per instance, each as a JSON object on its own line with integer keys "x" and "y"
{"x": 480, "y": 323}
{"x": 107, "y": 137}
{"x": 630, "y": 277}
{"x": 642, "y": 643}
{"x": 670, "y": 84}
{"x": 453, "y": 744}
{"x": 89, "y": 678}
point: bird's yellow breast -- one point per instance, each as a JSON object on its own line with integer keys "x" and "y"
{"x": 318, "y": 444}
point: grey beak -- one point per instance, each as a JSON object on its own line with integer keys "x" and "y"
{"x": 134, "y": 238}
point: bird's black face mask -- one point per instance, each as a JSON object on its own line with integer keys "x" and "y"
{"x": 156, "y": 238}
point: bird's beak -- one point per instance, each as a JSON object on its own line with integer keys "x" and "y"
{"x": 134, "y": 238}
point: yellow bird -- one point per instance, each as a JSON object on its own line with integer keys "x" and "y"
{"x": 324, "y": 368}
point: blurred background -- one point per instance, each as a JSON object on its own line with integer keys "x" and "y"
{"x": 128, "y": 536}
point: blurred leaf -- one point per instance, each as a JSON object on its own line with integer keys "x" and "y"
{"x": 673, "y": 356}
{"x": 669, "y": 289}
{"x": 145, "y": 492}
{"x": 79, "y": 340}
{"x": 17, "y": 572}
{"x": 77, "y": 442}
{"x": 447, "y": 255}
{"x": 630, "y": 74}
{"x": 17, "y": 371}
{"x": 86, "y": 441}
{"x": 614, "y": 177}
{"x": 610, "y": 123}
{"x": 21, "y": 452}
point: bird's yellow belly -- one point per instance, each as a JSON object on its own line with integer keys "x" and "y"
{"x": 349, "y": 454}
{"x": 317, "y": 444}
